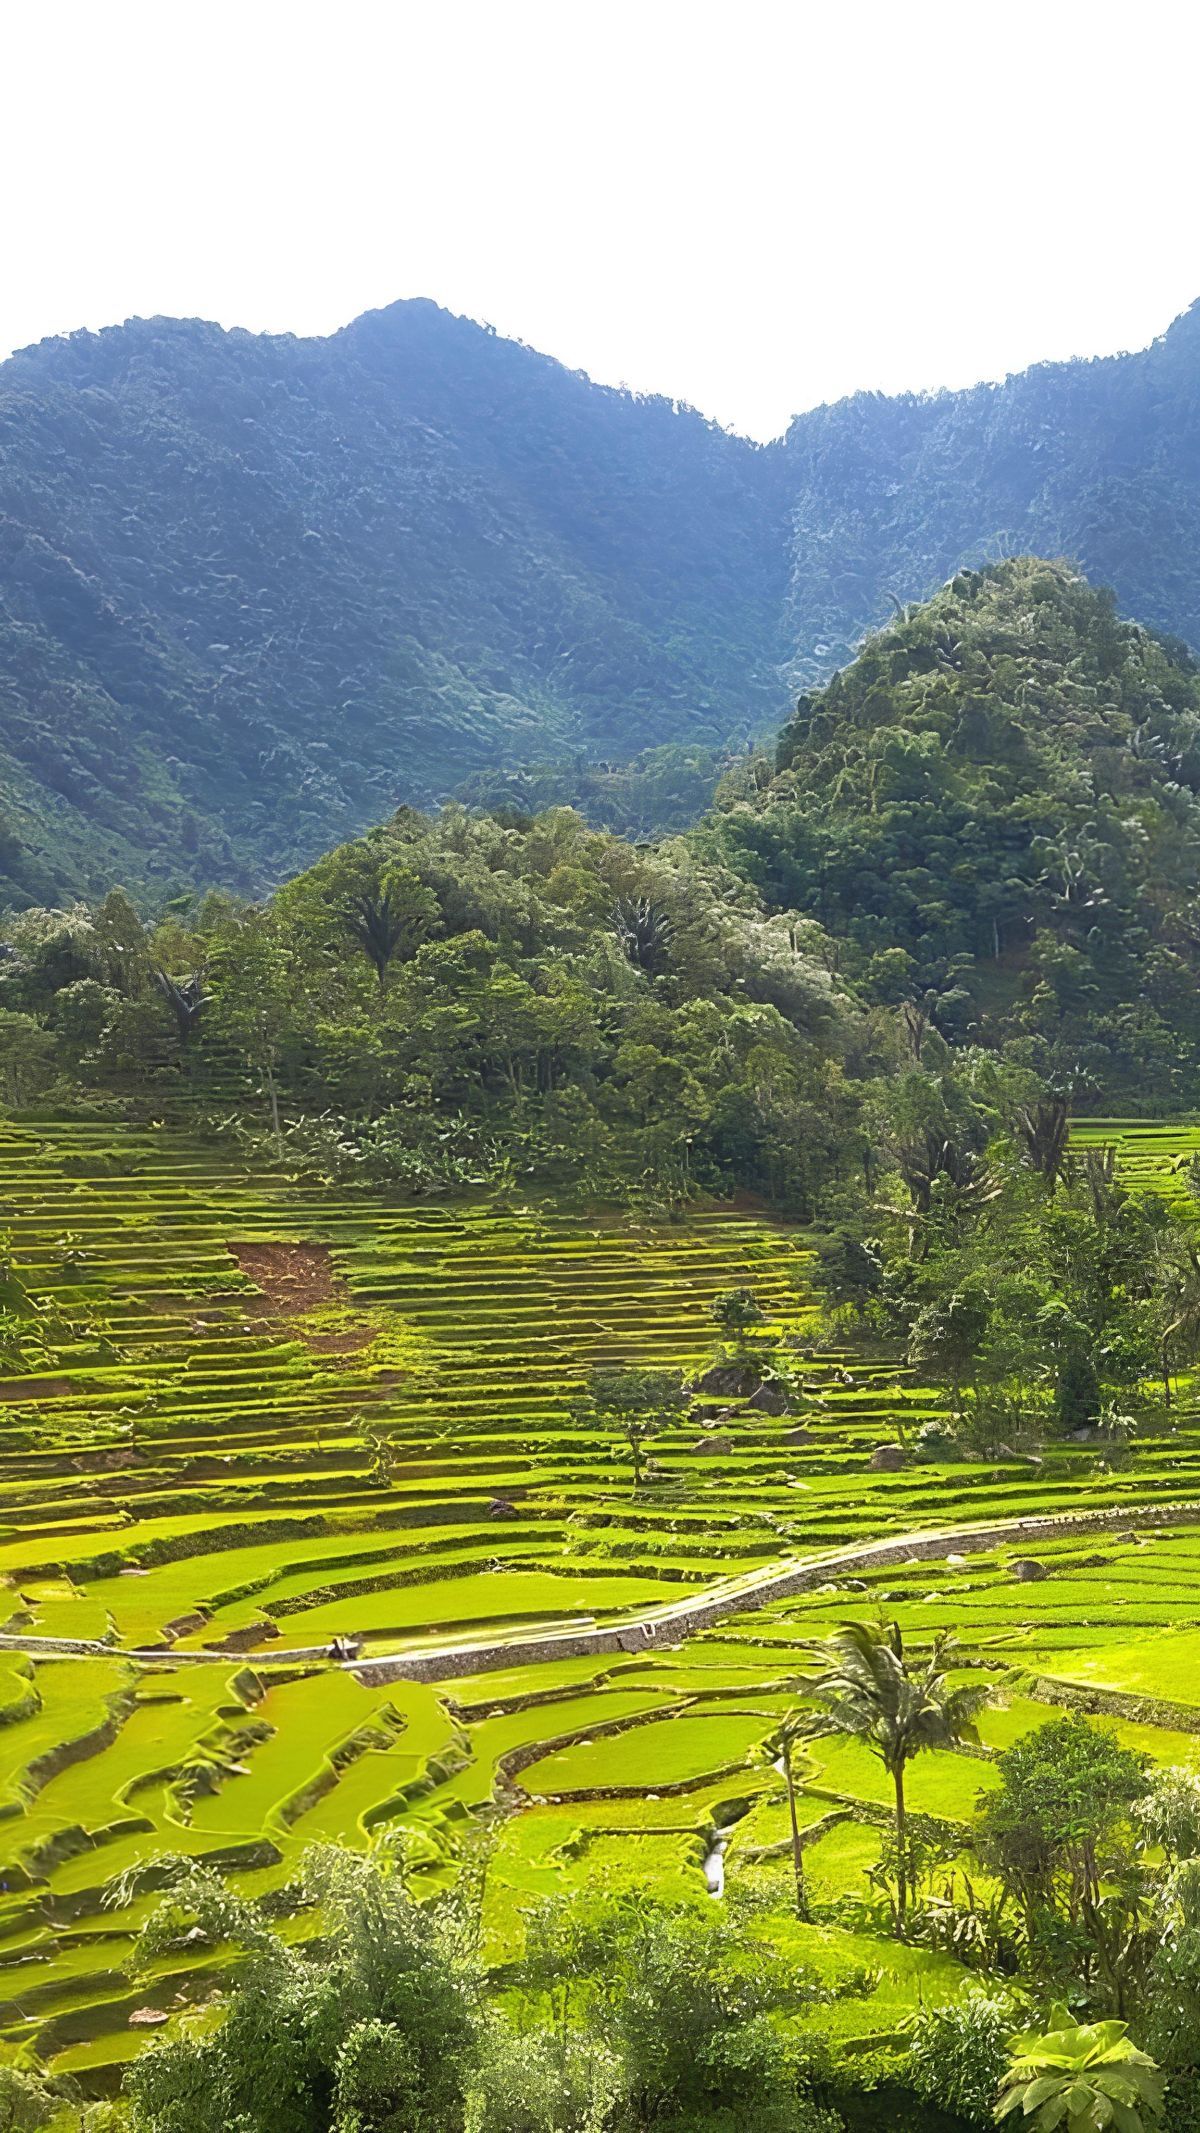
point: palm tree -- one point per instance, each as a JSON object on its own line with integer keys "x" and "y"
{"x": 780, "y": 1749}
{"x": 1044, "y": 1131}
{"x": 869, "y": 1690}
{"x": 646, "y": 931}
{"x": 377, "y": 921}
{"x": 388, "y": 916}
{"x": 185, "y": 997}
{"x": 1080, "y": 2076}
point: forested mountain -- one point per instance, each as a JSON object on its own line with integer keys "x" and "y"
{"x": 979, "y": 851}
{"x": 1096, "y": 461}
{"x": 255, "y": 590}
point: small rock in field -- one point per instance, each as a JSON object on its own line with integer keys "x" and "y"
{"x": 769, "y": 1400}
{"x": 889, "y": 1458}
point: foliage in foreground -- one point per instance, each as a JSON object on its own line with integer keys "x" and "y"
{"x": 628, "y": 2011}
{"x": 958, "y": 2053}
{"x": 1082, "y": 2078}
{"x": 624, "y": 2013}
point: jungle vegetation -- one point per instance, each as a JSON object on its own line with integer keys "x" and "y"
{"x": 630, "y": 2010}
{"x": 995, "y": 813}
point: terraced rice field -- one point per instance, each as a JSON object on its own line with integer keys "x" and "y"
{"x": 240, "y": 1416}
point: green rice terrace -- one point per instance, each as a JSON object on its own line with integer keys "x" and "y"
{"x": 243, "y": 1417}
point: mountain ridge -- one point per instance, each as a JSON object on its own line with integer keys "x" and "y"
{"x": 290, "y": 566}
{"x": 257, "y": 590}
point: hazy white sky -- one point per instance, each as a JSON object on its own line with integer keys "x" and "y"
{"x": 754, "y": 206}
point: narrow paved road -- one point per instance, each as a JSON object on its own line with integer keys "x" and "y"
{"x": 658, "y": 1626}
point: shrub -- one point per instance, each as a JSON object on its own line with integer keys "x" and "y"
{"x": 959, "y": 2054}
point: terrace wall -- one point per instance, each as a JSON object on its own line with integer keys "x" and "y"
{"x": 668, "y": 1625}
{"x": 664, "y": 1626}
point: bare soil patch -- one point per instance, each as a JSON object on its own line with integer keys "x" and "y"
{"x": 297, "y": 1278}
{"x": 350, "y": 1342}
{"x": 20, "y": 1390}
{"x": 292, "y": 1277}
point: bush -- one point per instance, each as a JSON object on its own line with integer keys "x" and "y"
{"x": 25, "y": 2104}
{"x": 936, "y": 1440}
{"x": 542, "y": 2082}
{"x": 959, "y": 2054}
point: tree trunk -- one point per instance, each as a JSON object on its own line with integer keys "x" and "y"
{"x": 901, "y": 1854}
{"x": 797, "y": 1847}
{"x": 273, "y": 1093}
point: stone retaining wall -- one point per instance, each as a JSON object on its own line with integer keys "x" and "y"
{"x": 661, "y": 1626}
{"x": 1119, "y": 1703}
{"x": 667, "y": 1626}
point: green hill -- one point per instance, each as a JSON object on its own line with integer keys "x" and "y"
{"x": 258, "y": 590}
{"x": 1097, "y": 461}
{"x": 996, "y": 811}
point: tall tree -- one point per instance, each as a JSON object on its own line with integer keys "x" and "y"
{"x": 781, "y": 1749}
{"x": 869, "y": 1688}
{"x": 1060, "y": 1832}
{"x": 636, "y": 1404}
{"x": 390, "y": 917}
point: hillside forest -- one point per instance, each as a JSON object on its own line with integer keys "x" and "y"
{"x": 871, "y": 988}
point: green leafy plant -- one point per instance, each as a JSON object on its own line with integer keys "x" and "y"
{"x": 636, "y": 1405}
{"x": 958, "y": 2053}
{"x": 1082, "y": 2077}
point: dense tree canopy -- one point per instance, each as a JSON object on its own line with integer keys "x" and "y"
{"x": 996, "y": 810}
{"x": 299, "y": 580}
{"x": 304, "y": 579}
{"x": 451, "y": 1001}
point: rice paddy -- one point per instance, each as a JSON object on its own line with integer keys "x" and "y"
{"x": 241, "y": 1416}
